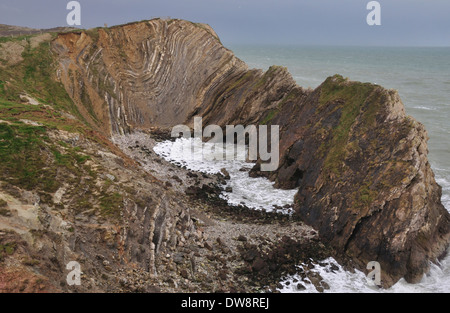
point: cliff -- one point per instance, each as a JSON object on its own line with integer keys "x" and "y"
{"x": 358, "y": 161}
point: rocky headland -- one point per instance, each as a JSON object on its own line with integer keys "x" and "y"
{"x": 81, "y": 110}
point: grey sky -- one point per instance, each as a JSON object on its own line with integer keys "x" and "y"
{"x": 294, "y": 22}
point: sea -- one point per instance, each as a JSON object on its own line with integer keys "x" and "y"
{"x": 421, "y": 75}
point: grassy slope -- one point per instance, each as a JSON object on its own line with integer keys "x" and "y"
{"x": 32, "y": 161}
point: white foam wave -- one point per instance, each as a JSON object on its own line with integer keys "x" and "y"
{"x": 444, "y": 182}
{"x": 421, "y": 107}
{"x": 335, "y": 276}
{"x": 342, "y": 281}
{"x": 437, "y": 280}
{"x": 257, "y": 193}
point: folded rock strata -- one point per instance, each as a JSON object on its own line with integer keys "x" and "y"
{"x": 359, "y": 162}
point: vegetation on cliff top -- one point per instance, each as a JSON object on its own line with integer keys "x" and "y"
{"x": 358, "y": 162}
{"x": 35, "y": 76}
{"x": 350, "y": 98}
{"x": 31, "y": 160}
{"x": 357, "y": 134}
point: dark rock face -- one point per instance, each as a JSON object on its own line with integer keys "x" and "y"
{"x": 266, "y": 267}
{"x": 358, "y": 161}
{"x": 366, "y": 184}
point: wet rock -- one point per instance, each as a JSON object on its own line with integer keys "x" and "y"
{"x": 319, "y": 288}
{"x": 192, "y": 175}
{"x": 225, "y": 173}
{"x": 334, "y": 267}
{"x": 300, "y": 287}
{"x": 316, "y": 280}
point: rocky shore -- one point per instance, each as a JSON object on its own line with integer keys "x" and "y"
{"x": 250, "y": 251}
{"x": 81, "y": 110}
{"x": 205, "y": 245}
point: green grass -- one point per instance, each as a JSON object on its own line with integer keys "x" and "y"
{"x": 359, "y": 103}
{"x": 52, "y": 119}
{"x": 7, "y": 249}
{"x": 35, "y": 75}
{"x": 93, "y": 33}
{"x": 22, "y": 163}
{"x": 289, "y": 97}
{"x": 268, "y": 75}
{"x": 111, "y": 204}
{"x": 31, "y": 161}
{"x": 69, "y": 159}
{"x": 366, "y": 196}
{"x": 242, "y": 80}
{"x": 39, "y": 69}
{"x": 353, "y": 97}
{"x": 14, "y": 38}
{"x": 3, "y": 210}
{"x": 270, "y": 116}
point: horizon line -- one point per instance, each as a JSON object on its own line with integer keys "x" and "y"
{"x": 227, "y": 43}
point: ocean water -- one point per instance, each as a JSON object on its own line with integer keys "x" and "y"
{"x": 422, "y": 78}
{"x": 421, "y": 75}
{"x": 255, "y": 193}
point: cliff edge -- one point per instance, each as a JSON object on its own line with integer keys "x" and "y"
{"x": 358, "y": 161}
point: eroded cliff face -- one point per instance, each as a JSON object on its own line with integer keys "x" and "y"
{"x": 95, "y": 207}
{"x": 364, "y": 179}
{"x": 144, "y": 74}
{"x": 359, "y": 162}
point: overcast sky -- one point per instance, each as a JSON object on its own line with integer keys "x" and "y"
{"x": 293, "y": 22}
